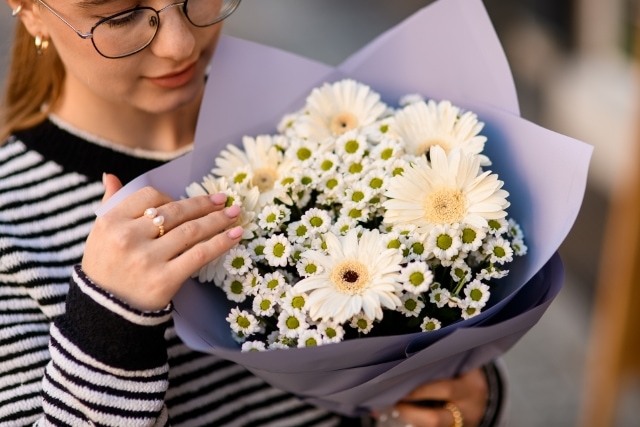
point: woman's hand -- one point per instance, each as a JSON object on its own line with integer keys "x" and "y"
{"x": 126, "y": 255}
{"x": 468, "y": 393}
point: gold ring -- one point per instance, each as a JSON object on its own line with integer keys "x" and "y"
{"x": 158, "y": 220}
{"x": 455, "y": 412}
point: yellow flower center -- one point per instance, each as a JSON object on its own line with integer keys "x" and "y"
{"x": 445, "y": 206}
{"x": 426, "y": 145}
{"x": 342, "y": 123}
{"x": 350, "y": 277}
{"x": 264, "y": 179}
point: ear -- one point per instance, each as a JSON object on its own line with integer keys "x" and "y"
{"x": 30, "y": 15}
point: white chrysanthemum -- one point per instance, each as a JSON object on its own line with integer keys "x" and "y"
{"x": 317, "y": 220}
{"x": 477, "y": 294}
{"x": 430, "y": 324}
{"x": 343, "y": 225}
{"x": 379, "y": 131}
{"x": 415, "y": 243}
{"x": 444, "y": 242}
{"x": 491, "y": 272}
{"x": 469, "y": 311}
{"x": 234, "y": 287}
{"x": 310, "y": 338}
{"x": 294, "y": 300}
{"x": 411, "y": 305}
{"x": 449, "y": 190}
{"x": 326, "y": 163}
{"x": 359, "y": 276}
{"x": 334, "y": 109}
{"x": 264, "y": 305}
{"x": 498, "y": 226}
{"x": 307, "y": 267}
{"x": 351, "y": 146}
{"x": 270, "y": 217}
{"x": 514, "y": 231}
{"x": 410, "y": 98}
{"x": 243, "y": 322}
{"x": 439, "y": 296}
{"x": 472, "y": 238}
{"x": 416, "y": 277}
{"x": 499, "y": 250}
{"x": 252, "y": 281}
{"x": 238, "y": 261}
{"x": 253, "y": 346}
{"x": 304, "y": 151}
{"x": 422, "y": 125}
{"x": 256, "y": 248}
{"x": 361, "y": 323}
{"x": 276, "y": 250}
{"x": 460, "y": 271}
{"x": 331, "y": 331}
{"x": 262, "y": 161}
{"x": 273, "y": 283}
{"x": 519, "y": 248}
{"x": 298, "y": 232}
{"x": 292, "y": 323}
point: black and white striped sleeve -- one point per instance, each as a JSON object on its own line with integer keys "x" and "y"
{"x": 108, "y": 361}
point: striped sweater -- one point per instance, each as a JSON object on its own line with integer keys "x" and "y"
{"x": 72, "y": 354}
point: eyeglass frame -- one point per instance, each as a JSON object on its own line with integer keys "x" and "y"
{"x": 89, "y": 35}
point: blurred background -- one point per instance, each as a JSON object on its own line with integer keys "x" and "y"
{"x": 574, "y": 68}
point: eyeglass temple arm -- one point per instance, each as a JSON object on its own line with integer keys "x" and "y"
{"x": 78, "y": 32}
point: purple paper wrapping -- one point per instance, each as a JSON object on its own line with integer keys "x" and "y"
{"x": 448, "y": 50}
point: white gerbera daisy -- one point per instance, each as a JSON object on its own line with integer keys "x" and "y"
{"x": 449, "y": 190}
{"x": 423, "y": 125}
{"x": 334, "y": 109}
{"x": 359, "y": 276}
{"x": 263, "y": 162}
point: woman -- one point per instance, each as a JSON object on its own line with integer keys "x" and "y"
{"x": 99, "y": 92}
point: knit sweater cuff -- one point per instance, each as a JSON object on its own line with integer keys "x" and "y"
{"x": 111, "y": 331}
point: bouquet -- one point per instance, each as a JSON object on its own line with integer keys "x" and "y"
{"x": 360, "y": 220}
{"x": 446, "y": 51}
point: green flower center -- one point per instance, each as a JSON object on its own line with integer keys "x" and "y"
{"x": 444, "y": 241}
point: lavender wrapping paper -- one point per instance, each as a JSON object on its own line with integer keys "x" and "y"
{"x": 448, "y": 50}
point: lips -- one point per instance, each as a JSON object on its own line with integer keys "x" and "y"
{"x": 175, "y": 80}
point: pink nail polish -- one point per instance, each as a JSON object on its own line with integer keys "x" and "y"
{"x": 234, "y": 233}
{"x": 232, "y": 211}
{"x": 218, "y": 199}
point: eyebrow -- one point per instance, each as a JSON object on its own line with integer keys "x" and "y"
{"x": 87, "y": 4}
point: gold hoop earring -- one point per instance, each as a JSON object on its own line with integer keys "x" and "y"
{"x": 15, "y": 12}
{"x": 42, "y": 43}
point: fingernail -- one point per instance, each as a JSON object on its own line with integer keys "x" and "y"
{"x": 218, "y": 199}
{"x": 232, "y": 211}
{"x": 235, "y": 232}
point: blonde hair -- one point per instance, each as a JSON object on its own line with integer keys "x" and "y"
{"x": 33, "y": 84}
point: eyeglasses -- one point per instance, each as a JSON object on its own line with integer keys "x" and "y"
{"x": 132, "y": 30}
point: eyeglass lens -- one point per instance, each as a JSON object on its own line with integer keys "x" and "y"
{"x": 131, "y": 31}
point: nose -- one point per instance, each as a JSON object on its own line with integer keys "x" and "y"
{"x": 175, "y": 38}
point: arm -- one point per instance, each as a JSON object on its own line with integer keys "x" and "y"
{"x": 108, "y": 361}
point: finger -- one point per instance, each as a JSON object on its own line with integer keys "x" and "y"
{"x": 173, "y": 215}
{"x": 182, "y": 266}
{"x": 111, "y": 185}
{"x": 421, "y": 417}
